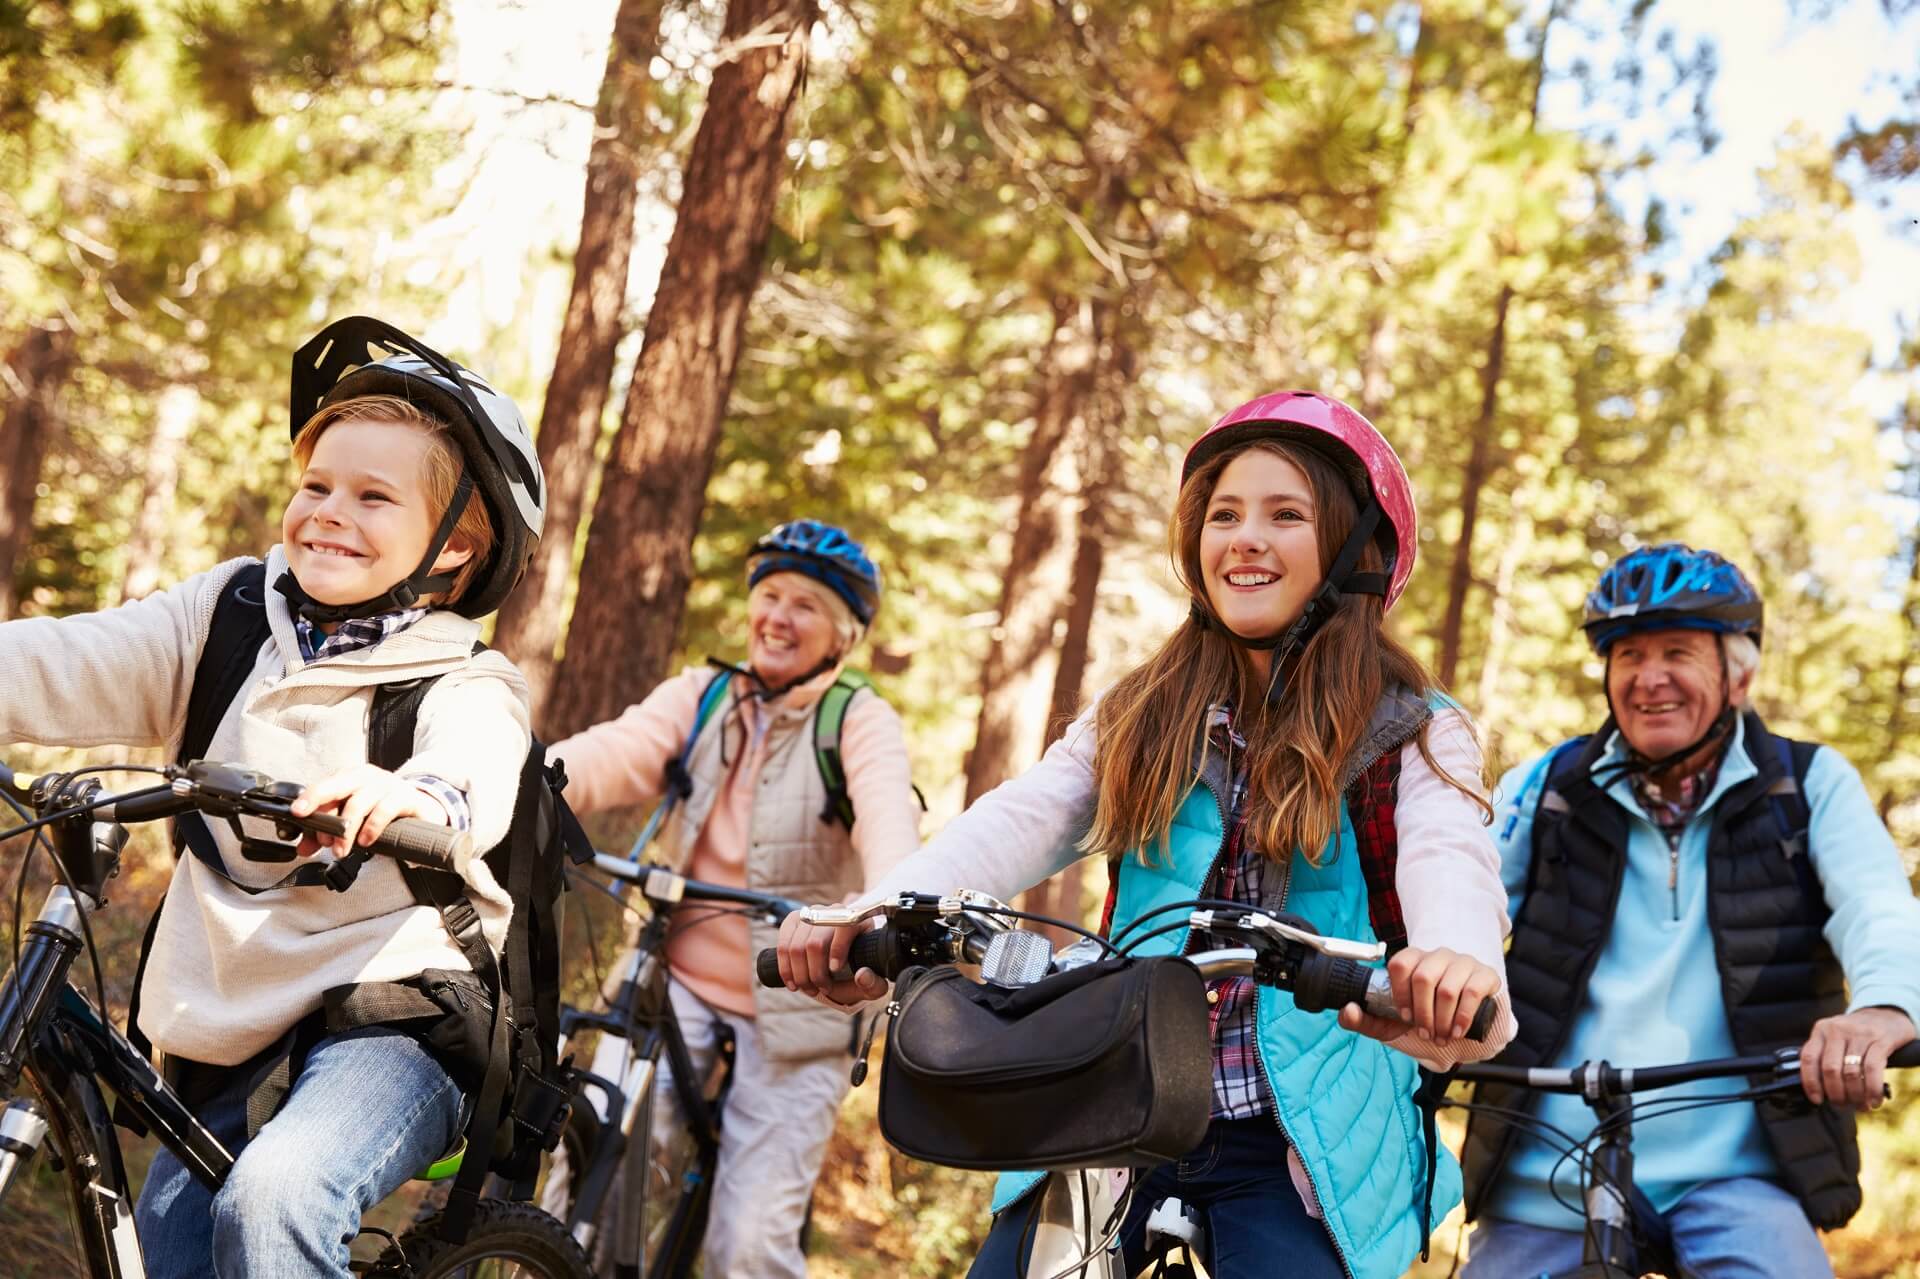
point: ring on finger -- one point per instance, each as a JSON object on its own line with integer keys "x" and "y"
{"x": 1851, "y": 1063}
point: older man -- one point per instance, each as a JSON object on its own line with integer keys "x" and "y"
{"x": 1685, "y": 885}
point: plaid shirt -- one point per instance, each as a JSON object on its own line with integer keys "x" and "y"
{"x": 1238, "y": 1088}
{"x": 355, "y": 634}
{"x": 1671, "y": 815}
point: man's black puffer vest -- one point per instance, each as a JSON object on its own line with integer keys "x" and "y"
{"x": 1777, "y": 974}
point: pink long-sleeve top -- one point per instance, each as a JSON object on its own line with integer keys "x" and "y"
{"x": 623, "y": 762}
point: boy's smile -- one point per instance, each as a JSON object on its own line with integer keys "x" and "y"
{"x": 360, "y": 519}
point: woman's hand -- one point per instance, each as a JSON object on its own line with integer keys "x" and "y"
{"x": 1437, "y": 992}
{"x": 813, "y": 961}
{"x": 1844, "y": 1060}
{"x": 366, "y": 799}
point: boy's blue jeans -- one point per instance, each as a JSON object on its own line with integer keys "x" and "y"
{"x": 1739, "y": 1228}
{"x": 370, "y": 1111}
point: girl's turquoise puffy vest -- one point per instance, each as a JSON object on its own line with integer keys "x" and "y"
{"x": 1345, "y": 1101}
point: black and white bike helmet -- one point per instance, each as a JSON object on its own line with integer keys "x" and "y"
{"x": 364, "y": 356}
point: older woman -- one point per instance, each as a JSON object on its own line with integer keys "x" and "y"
{"x": 754, "y": 818}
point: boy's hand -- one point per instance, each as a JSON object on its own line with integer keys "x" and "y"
{"x": 366, "y": 799}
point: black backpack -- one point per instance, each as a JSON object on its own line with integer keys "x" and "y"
{"x": 519, "y": 1107}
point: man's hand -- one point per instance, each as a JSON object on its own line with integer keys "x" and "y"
{"x": 1436, "y": 991}
{"x": 366, "y": 799}
{"x": 1844, "y": 1060}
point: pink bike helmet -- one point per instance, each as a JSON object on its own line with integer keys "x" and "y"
{"x": 1338, "y": 432}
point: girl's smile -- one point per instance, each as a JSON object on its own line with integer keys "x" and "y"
{"x": 1259, "y": 548}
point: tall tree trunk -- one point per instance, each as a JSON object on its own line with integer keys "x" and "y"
{"x": 1480, "y": 459}
{"x": 639, "y": 556}
{"x": 1479, "y": 468}
{"x": 1062, "y": 896}
{"x": 30, "y": 381}
{"x": 1904, "y": 673}
{"x": 172, "y": 423}
{"x": 1020, "y": 664}
{"x": 1492, "y": 706}
{"x": 531, "y": 620}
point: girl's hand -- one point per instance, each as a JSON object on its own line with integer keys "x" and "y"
{"x": 813, "y": 961}
{"x": 1437, "y": 992}
{"x": 366, "y": 799}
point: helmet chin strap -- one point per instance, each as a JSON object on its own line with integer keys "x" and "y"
{"x": 406, "y": 593}
{"x": 1339, "y": 582}
{"x": 766, "y": 692}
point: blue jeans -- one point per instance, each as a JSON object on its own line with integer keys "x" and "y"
{"x": 1238, "y": 1180}
{"x": 371, "y": 1110}
{"x": 1740, "y": 1228}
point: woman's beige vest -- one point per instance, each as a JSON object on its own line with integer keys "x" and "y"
{"x": 791, "y": 853}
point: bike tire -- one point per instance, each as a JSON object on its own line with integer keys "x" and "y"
{"x": 506, "y": 1239}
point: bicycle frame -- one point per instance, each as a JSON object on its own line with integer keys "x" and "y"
{"x": 53, "y": 1033}
{"x": 640, "y": 1018}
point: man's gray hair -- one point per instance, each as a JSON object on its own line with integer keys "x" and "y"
{"x": 1743, "y": 658}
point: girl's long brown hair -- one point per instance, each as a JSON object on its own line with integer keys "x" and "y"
{"x": 1153, "y": 721}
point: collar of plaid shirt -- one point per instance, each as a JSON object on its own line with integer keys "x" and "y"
{"x": 353, "y": 634}
{"x": 1671, "y": 813}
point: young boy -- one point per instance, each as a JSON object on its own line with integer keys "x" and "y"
{"x": 417, "y": 503}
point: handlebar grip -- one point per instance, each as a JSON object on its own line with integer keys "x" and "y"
{"x": 878, "y": 949}
{"x": 429, "y": 844}
{"x": 1379, "y": 1002}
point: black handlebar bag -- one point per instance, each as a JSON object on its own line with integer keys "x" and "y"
{"x": 1105, "y": 1066}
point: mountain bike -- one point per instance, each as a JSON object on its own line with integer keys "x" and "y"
{"x": 642, "y": 1091}
{"x": 1625, "y": 1236}
{"x": 71, "y": 1056}
{"x": 1078, "y": 1213}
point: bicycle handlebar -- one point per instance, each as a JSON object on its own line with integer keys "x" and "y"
{"x": 1281, "y": 957}
{"x": 228, "y": 790}
{"x": 666, "y": 887}
{"x": 1590, "y": 1076}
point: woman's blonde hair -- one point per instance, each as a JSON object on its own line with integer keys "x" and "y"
{"x": 474, "y": 528}
{"x": 1154, "y": 721}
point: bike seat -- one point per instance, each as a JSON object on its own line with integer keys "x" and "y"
{"x": 445, "y": 1166}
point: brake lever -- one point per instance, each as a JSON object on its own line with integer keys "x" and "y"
{"x": 1260, "y": 922}
{"x": 907, "y": 904}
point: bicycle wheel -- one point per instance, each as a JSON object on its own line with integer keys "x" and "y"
{"x": 507, "y": 1239}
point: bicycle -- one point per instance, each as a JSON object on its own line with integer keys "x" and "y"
{"x": 71, "y": 1054}
{"x": 1079, "y": 1215}
{"x": 1625, "y": 1238}
{"x": 621, "y": 1093}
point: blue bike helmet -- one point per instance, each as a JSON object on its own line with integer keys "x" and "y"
{"x": 824, "y": 553}
{"x": 1666, "y": 587}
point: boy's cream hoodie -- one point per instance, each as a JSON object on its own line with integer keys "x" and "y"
{"x": 230, "y": 972}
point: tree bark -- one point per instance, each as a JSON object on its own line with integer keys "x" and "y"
{"x": 1020, "y": 661}
{"x": 1904, "y": 672}
{"x": 172, "y": 423}
{"x": 528, "y": 630}
{"x": 31, "y": 381}
{"x": 639, "y": 556}
{"x": 1062, "y": 896}
{"x": 1479, "y": 468}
